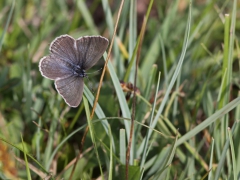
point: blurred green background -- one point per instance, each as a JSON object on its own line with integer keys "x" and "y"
{"x": 207, "y": 81}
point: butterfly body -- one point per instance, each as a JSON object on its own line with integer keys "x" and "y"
{"x": 68, "y": 61}
{"x": 79, "y": 71}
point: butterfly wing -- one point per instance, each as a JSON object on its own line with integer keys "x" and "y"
{"x": 54, "y": 67}
{"x": 65, "y": 47}
{"x": 62, "y": 58}
{"x": 71, "y": 89}
{"x": 90, "y": 50}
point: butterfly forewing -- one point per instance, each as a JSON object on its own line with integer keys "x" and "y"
{"x": 65, "y": 47}
{"x": 54, "y": 67}
{"x": 90, "y": 50}
{"x": 71, "y": 89}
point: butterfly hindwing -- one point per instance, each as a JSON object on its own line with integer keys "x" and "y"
{"x": 90, "y": 50}
{"x": 71, "y": 89}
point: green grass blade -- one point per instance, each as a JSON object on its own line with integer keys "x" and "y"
{"x": 236, "y": 138}
{"x": 92, "y": 134}
{"x": 110, "y": 23}
{"x": 144, "y": 104}
{"x": 234, "y": 171}
{"x": 132, "y": 36}
{"x": 110, "y": 174}
{"x": 165, "y": 71}
{"x": 146, "y": 147}
{"x": 27, "y": 85}
{"x": 7, "y": 24}
{"x": 211, "y": 160}
{"x": 169, "y": 159}
{"x": 121, "y": 97}
{"x": 49, "y": 147}
{"x": 122, "y": 146}
{"x": 99, "y": 112}
{"x": 108, "y": 15}
{"x": 87, "y": 16}
{"x": 26, "y": 161}
{"x": 151, "y": 55}
{"x": 223, "y": 155}
{"x": 38, "y": 139}
{"x": 225, "y": 85}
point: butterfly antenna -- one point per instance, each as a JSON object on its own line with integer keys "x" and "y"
{"x": 94, "y": 71}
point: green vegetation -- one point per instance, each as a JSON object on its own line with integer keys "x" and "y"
{"x": 187, "y": 99}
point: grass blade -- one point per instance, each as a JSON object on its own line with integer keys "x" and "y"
{"x": 234, "y": 171}
{"x": 26, "y": 161}
{"x": 122, "y": 146}
{"x": 7, "y": 24}
{"x": 92, "y": 134}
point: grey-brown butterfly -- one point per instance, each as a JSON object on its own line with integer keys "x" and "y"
{"x": 68, "y": 61}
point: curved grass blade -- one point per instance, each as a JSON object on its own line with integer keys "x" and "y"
{"x": 146, "y": 147}
{"x": 121, "y": 97}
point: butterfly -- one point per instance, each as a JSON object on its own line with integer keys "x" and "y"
{"x": 68, "y": 61}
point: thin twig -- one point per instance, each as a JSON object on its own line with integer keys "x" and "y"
{"x": 105, "y": 65}
{"x": 32, "y": 167}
